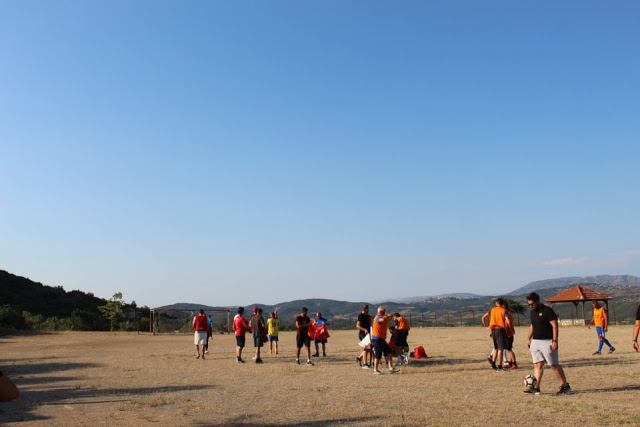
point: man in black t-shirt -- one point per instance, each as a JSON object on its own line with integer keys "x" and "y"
{"x": 636, "y": 330}
{"x": 302, "y": 322}
{"x": 364, "y": 326}
{"x": 543, "y": 343}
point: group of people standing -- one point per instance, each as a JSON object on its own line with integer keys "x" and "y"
{"x": 376, "y": 327}
{"x": 262, "y": 332}
{"x": 542, "y": 340}
{"x": 308, "y": 330}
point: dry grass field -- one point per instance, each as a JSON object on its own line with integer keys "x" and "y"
{"x": 129, "y": 379}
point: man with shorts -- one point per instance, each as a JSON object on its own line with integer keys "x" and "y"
{"x": 365, "y": 360}
{"x": 240, "y": 328}
{"x": 497, "y": 324}
{"x": 303, "y": 322}
{"x": 508, "y": 343}
{"x": 258, "y": 329}
{"x": 402, "y": 327}
{"x": 273, "y": 328}
{"x": 378, "y": 341}
{"x": 543, "y": 343}
{"x": 601, "y": 320}
{"x": 200, "y": 326}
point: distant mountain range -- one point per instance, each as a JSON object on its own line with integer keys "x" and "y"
{"x": 603, "y": 279}
{"x": 409, "y": 300}
{"x": 18, "y": 294}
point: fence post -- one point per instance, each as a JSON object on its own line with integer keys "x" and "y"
{"x": 435, "y": 318}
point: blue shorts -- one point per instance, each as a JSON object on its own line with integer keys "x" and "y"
{"x": 600, "y": 331}
{"x": 273, "y": 338}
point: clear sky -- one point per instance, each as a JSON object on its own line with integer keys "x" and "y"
{"x": 232, "y": 152}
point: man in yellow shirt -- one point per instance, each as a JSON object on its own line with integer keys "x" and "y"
{"x": 601, "y": 321}
{"x": 273, "y": 328}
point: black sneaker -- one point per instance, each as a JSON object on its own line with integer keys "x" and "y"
{"x": 564, "y": 389}
{"x": 198, "y": 356}
{"x": 359, "y": 361}
{"x": 597, "y": 353}
{"x": 239, "y": 360}
{"x": 611, "y": 350}
{"x": 532, "y": 391}
{"x": 297, "y": 361}
{"x": 309, "y": 363}
{"x": 258, "y": 360}
{"x": 315, "y": 355}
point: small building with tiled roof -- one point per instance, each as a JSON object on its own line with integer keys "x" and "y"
{"x": 579, "y": 294}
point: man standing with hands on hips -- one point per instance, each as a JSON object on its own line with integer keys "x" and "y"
{"x": 543, "y": 343}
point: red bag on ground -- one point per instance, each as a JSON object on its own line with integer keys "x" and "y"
{"x": 419, "y": 352}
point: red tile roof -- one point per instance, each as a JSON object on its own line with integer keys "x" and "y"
{"x": 578, "y": 293}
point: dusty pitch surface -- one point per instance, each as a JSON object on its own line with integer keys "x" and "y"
{"x": 129, "y": 379}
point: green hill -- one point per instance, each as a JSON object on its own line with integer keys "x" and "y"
{"x": 25, "y": 304}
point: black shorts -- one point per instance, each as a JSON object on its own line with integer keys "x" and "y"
{"x": 508, "y": 343}
{"x": 380, "y": 347}
{"x": 240, "y": 340}
{"x": 258, "y": 341}
{"x": 361, "y": 335}
{"x": 499, "y": 337}
{"x": 401, "y": 338}
{"x": 303, "y": 340}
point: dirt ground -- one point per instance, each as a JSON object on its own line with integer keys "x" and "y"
{"x": 79, "y": 379}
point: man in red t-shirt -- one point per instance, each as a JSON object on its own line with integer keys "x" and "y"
{"x": 240, "y": 328}
{"x": 200, "y": 326}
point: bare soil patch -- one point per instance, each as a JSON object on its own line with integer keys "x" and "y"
{"x": 75, "y": 378}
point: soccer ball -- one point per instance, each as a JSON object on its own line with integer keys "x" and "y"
{"x": 530, "y": 381}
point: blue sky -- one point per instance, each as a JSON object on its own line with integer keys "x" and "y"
{"x": 227, "y": 153}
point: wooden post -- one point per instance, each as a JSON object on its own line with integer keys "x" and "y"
{"x": 435, "y": 319}
{"x": 461, "y": 319}
{"x": 615, "y": 319}
{"x": 448, "y": 319}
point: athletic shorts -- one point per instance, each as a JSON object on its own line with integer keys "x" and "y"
{"x": 361, "y": 335}
{"x": 541, "y": 351}
{"x": 317, "y": 341}
{"x": 200, "y": 337}
{"x": 499, "y": 336}
{"x": 303, "y": 340}
{"x": 258, "y": 341}
{"x": 273, "y": 338}
{"x": 240, "y": 340}
{"x": 380, "y": 347}
{"x": 600, "y": 331}
{"x": 401, "y": 338}
{"x": 508, "y": 343}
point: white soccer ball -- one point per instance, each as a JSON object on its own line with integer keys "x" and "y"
{"x": 530, "y": 381}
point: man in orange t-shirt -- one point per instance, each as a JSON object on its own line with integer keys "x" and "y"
{"x": 498, "y": 322}
{"x": 378, "y": 340}
{"x": 403, "y": 327}
{"x": 601, "y": 321}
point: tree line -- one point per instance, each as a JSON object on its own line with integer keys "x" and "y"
{"x": 27, "y": 305}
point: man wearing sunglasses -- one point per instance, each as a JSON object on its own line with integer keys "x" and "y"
{"x": 543, "y": 343}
